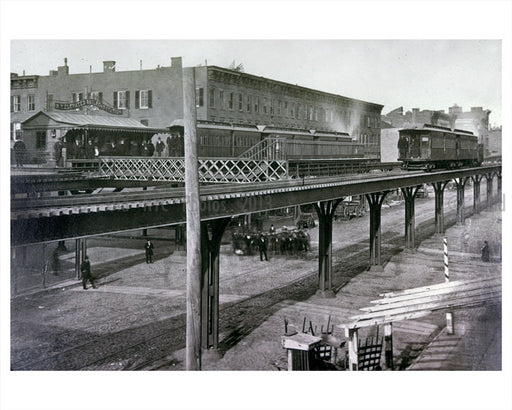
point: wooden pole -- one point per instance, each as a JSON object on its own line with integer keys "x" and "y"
{"x": 193, "y": 337}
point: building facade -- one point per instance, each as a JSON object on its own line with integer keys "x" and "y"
{"x": 223, "y": 96}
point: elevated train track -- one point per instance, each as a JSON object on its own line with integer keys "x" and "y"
{"x": 46, "y": 219}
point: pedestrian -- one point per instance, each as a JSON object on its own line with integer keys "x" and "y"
{"x": 86, "y": 273}
{"x": 57, "y": 151}
{"x": 262, "y": 246}
{"x": 272, "y": 230}
{"x": 151, "y": 148}
{"x": 160, "y": 147}
{"x": 75, "y": 150}
{"x": 89, "y": 150}
{"x": 149, "y": 251}
{"x": 485, "y": 252}
{"x": 19, "y": 152}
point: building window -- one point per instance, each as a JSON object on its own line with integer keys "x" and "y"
{"x": 272, "y": 102}
{"x": 15, "y": 103}
{"x": 143, "y": 99}
{"x": 264, "y": 105}
{"x": 31, "y": 102}
{"x": 249, "y": 103}
{"x": 97, "y": 96}
{"x": 279, "y": 107}
{"x": 212, "y": 97}
{"x": 122, "y": 99}
{"x": 49, "y": 102}
{"x": 200, "y": 97}
{"x": 292, "y": 111}
{"x": 77, "y": 97}
{"x": 231, "y": 100}
{"x": 257, "y": 104}
{"x": 240, "y": 102}
{"x": 221, "y": 99}
{"x": 15, "y": 130}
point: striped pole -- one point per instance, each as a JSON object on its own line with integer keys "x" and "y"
{"x": 445, "y": 252}
{"x": 449, "y": 316}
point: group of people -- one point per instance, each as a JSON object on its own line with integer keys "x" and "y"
{"x": 133, "y": 147}
{"x": 284, "y": 242}
{"x": 91, "y": 150}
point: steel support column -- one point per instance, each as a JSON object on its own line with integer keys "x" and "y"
{"x": 78, "y": 258}
{"x": 439, "y": 205}
{"x": 84, "y": 249}
{"x": 211, "y": 235}
{"x": 476, "y": 193}
{"x": 460, "y": 183}
{"x": 409, "y": 194}
{"x": 489, "y": 177}
{"x": 498, "y": 193}
{"x": 375, "y": 202}
{"x": 325, "y": 211}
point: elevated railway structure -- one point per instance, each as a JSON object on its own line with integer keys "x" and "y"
{"x": 46, "y": 219}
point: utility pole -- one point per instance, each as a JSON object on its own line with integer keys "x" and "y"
{"x": 193, "y": 342}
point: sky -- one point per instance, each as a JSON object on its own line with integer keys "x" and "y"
{"x": 425, "y": 74}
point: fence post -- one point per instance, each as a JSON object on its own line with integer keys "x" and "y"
{"x": 353, "y": 358}
{"x": 388, "y": 340}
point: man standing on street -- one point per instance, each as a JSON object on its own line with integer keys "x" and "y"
{"x": 86, "y": 273}
{"x": 262, "y": 246}
{"x": 149, "y": 251}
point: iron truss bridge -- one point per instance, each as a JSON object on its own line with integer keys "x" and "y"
{"x": 48, "y": 219}
{"x": 172, "y": 169}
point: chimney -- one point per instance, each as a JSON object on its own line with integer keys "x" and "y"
{"x": 176, "y": 62}
{"x": 63, "y": 69}
{"x": 415, "y": 112}
{"x": 109, "y": 66}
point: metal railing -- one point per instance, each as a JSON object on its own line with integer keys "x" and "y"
{"x": 211, "y": 170}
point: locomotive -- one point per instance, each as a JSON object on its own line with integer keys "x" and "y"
{"x": 431, "y": 146}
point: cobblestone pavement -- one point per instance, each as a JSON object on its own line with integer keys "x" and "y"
{"x": 136, "y": 318}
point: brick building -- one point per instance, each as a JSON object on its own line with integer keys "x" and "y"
{"x": 224, "y": 97}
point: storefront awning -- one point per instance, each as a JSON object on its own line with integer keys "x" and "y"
{"x": 58, "y": 120}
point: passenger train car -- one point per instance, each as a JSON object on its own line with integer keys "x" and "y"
{"x": 431, "y": 146}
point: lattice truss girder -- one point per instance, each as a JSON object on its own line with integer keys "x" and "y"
{"x": 238, "y": 170}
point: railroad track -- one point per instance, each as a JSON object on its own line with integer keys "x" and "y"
{"x": 206, "y": 192}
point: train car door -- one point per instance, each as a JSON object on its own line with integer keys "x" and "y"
{"x": 425, "y": 147}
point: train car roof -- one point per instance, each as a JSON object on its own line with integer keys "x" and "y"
{"x": 431, "y": 127}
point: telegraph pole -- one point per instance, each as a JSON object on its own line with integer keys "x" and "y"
{"x": 193, "y": 342}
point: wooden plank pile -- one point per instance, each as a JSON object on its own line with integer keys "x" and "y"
{"x": 415, "y": 303}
